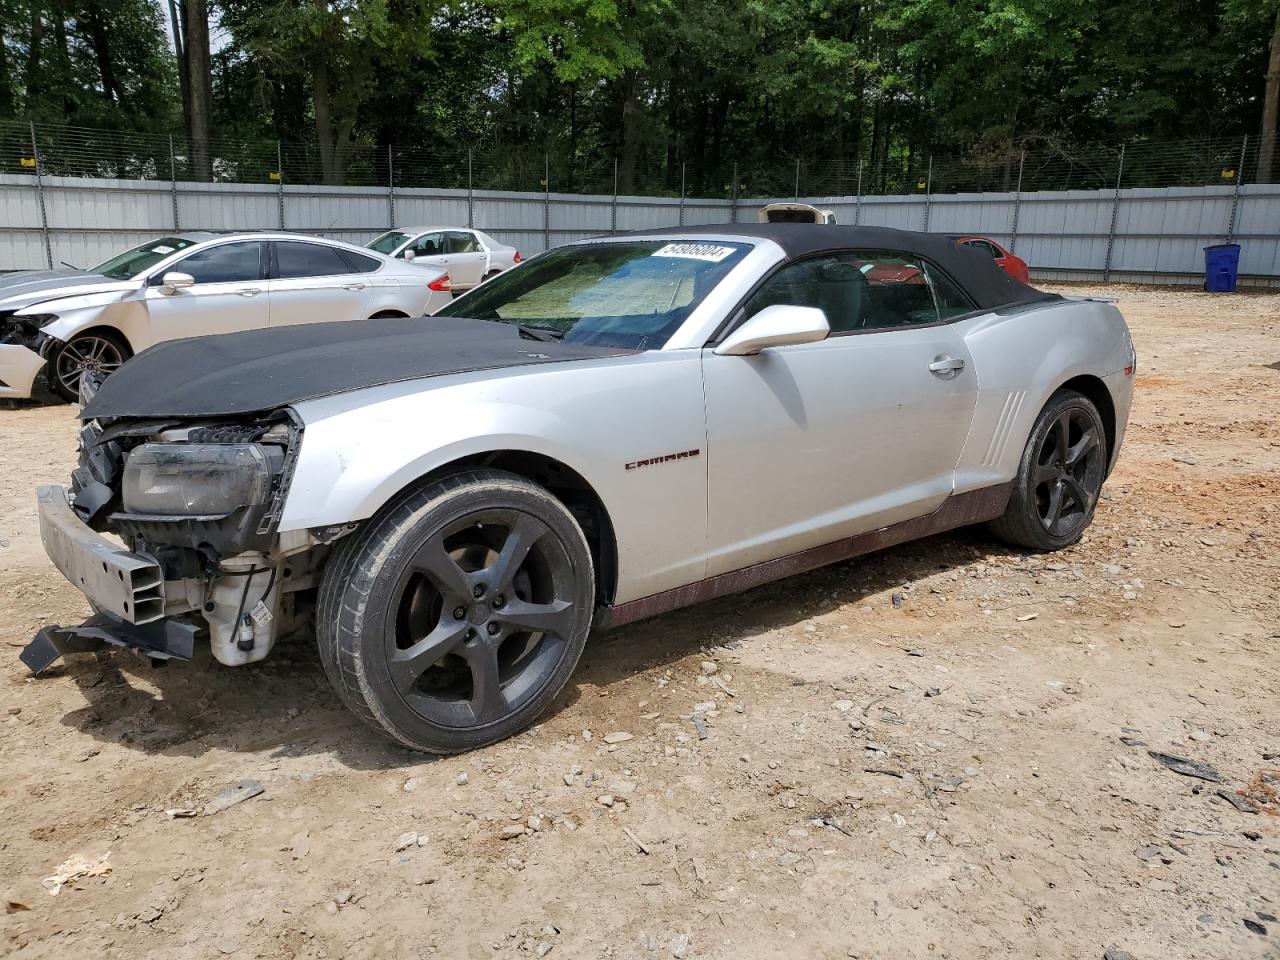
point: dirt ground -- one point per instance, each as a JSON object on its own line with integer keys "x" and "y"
{"x": 966, "y": 775}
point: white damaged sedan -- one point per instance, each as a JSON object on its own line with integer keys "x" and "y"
{"x": 57, "y": 324}
{"x": 613, "y": 429}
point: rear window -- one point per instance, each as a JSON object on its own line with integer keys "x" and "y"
{"x": 308, "y": 260}
{"x": 359, "y": 263}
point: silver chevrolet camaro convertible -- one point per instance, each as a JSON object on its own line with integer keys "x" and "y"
{"x": 613, "y": 429}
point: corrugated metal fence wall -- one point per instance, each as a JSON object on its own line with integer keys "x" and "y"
{"x": 1132, "y": 234}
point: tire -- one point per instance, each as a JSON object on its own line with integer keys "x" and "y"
{"x": 1059, "y": 476}
{"x": 458, "y": 614}
{"x": 99, "y": 350}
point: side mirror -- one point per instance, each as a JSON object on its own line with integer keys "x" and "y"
{"x": 408, "y": 256}
{"x": 776, "y": 326}
{"x": 173, "y": 281}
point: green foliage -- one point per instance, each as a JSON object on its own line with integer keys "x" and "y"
{"x": 689, "y": 88}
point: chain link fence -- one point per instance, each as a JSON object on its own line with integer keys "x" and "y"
{"x": 1144, "y": 210}
{"x": 84, "y": 152}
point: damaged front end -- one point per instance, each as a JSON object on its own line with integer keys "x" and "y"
{"x": 195, "y": 505}
{"x": 23, "y": 353}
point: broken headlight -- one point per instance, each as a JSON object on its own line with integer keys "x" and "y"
{"x": 198, "y": 479}
{"x": 25, "y": 329}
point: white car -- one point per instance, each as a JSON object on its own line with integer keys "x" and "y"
{"x": 470, "y": 256}
{"x": 56, "y": 324}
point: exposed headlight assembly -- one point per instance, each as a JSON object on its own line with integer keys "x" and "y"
{"x": 198, "y": 479}
{"x": 25, "y": 329}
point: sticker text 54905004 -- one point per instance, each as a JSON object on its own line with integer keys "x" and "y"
{"x": 695, "y": 251}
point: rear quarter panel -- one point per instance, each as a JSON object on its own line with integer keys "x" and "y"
{"x": 1021, "y": 358}
{"x": 596, "y": 416}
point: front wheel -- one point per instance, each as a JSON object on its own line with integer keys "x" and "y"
{"x": 459, "y": 614}
{"x": 1059, "y": 477}
{"x": 98, "y": 351}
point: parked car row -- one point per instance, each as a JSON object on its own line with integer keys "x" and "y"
{"x": 57, "y": 324}
{"x": 613, "y": 429}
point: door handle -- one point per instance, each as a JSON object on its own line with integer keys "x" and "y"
{"x": 946, "y": 365}
{"x": 353, "y": 286}
{"x": 249, "y": 292}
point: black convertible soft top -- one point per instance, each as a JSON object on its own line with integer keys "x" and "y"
{"x": 260, "y": 370}
{"x": 971, "y": 269}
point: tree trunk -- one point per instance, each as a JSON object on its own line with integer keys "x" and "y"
{"x": 33, "y": 85}
{"x": 1270, "y": 109}
{"x": 6, "y": 89}
{"x": 573, "y": 136}
{"x": 92, "y": 24}
{"x": 195, "y": 42}
{"x": 330, "y": 134}
{"x": 184, "y": 83}
{"x": 630, "y": 130}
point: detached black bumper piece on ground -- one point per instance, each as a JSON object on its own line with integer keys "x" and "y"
{"x": 161, "y": 640}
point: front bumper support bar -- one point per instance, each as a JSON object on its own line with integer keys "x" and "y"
{"x": 128, "y": 585}
{"x": 161, "y": 640}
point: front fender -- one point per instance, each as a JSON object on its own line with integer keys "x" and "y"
{"x": 126, "y": 317}
{"x": 350, "y": 476}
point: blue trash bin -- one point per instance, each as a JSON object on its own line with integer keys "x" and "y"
{"x": 1221, "y": 264}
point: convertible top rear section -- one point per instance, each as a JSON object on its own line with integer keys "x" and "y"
{"x": 987, "y": 285}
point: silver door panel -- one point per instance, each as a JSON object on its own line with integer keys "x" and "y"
{"x": 810, "y": 444}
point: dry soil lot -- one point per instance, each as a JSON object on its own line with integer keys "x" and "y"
{"x": 963, "y": 775}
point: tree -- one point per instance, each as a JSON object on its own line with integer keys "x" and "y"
{"x": 340, "y": 48}
{"x": 1270, "y": 109}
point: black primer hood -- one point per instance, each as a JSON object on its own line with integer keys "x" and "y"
{"x": 261, "y": 370}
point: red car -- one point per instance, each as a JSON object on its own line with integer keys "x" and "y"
{"x": 1016, "y": 267}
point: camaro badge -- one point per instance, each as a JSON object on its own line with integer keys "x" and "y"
{"x": 682, "y": 455}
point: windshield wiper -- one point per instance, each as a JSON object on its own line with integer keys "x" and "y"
{"x": 541, "y": 334}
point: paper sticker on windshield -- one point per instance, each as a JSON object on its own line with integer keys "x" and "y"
{"x": 711, "y": 252}
{"x": 162, "y": 249}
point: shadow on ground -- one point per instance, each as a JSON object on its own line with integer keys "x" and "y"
{"x": 285, "y": 707}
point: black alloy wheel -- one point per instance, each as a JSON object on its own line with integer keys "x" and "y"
{"x": 1059, "y": 478}
{"x": 455, "y": 617}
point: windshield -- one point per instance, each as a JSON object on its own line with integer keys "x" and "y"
{"x": 627, "y": 294}
{"x": 387, "y": 242}
{"x": 127, "y": 265}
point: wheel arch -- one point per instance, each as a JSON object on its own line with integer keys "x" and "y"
{"x": 560, "y": 480}
{"x": 1096, "y": 391}
{"x": 100, "y": 329}
{"x": 388, "y": 315}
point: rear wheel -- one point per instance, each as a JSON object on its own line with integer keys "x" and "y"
{"x": 99, "y": 351}
{"x": 1059, "y": 477}
{"x": 458, "y": 615}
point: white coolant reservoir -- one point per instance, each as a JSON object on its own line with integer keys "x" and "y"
{"x": 244, "y": 601}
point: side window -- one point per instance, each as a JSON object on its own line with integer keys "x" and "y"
{"x": 951, "y": 301}
{"x": 832, "y": 284}
{"x": 985, "y": 247}
{"x": 359, "y": 263}
{"x": 460, "y": 242}
{"x": 900, "y": 295}
{"x": 225, "y": 263}
{"x": 295, "y": 259}
{"x": 428, "y": 245}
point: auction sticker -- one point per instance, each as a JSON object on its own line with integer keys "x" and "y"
{"x": 695, "y": 251}
{"x": 161, "y": 248}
